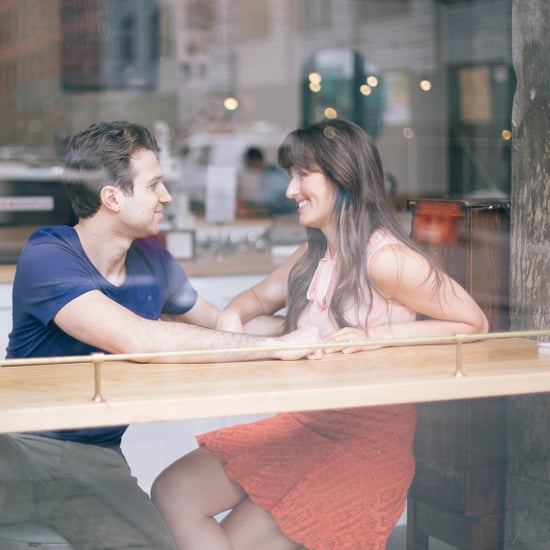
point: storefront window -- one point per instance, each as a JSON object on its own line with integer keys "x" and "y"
{"x": 444, "y": 87}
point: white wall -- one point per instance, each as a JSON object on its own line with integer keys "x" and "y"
{"x": 5, "y": 316}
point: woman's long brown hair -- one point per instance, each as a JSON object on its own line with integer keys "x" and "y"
{"x": 348, "y": 157}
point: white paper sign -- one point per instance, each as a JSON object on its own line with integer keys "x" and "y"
{"x": 221, "y": 194}
{"x": 27, "y": 204}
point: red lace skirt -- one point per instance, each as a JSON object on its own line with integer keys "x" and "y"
{"x": 333, "y": 479}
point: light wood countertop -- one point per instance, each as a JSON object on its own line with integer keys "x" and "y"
{"x": 242, "y": 261}
{"x": 246, "y": 262}
{"x": 61, "y": 396}
{"x": 7, "y": 272}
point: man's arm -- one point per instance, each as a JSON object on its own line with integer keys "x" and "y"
{"x": 99, "y": 321}
{"x": 265, "y": 298}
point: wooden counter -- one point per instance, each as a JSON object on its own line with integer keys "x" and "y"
{"x": 243, "y": 261}
{"x": 207, "y": 264}
{"x": 7, "y": 272}
{"x": 12, "y": 240}
{"x": 61, "y": 396}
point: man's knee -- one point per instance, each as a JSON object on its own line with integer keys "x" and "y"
{"x": 15, "y": 486}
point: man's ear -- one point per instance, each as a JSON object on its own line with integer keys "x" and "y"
{"x": 109, "y": 196}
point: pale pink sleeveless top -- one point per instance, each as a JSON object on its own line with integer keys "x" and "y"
{"x": 321, "y": 290}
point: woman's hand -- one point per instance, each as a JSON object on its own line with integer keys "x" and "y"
{"x": 349, "y": 338}
{"x": 306, "y": 337}
{"x": 229, "y": 321}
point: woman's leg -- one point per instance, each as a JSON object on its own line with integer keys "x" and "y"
{"x": 194, "y": 489}
{"x": 189, "y": 493}
{"x": 248, "y": 527}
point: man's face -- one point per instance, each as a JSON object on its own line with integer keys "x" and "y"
{"x": 141, "y": 212}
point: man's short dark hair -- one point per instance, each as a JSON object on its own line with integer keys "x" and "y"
{"x": 101, "y": 156}
{"x": 253, "y": 154}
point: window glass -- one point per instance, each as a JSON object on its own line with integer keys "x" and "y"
{"x": 445, "y": 89}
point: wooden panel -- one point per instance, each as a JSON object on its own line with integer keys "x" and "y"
{"x": 460, "y": 454}
{"x": 460, "y": 447}
{"x": 489, "y": 252}
{"x": 480, "y": 533}
{"x": 470, "y": 239}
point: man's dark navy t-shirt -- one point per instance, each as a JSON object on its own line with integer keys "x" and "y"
{"x": 53, "y": 269}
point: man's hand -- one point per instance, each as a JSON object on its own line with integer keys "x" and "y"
{"x": 309, "y": 336}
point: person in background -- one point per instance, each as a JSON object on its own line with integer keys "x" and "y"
{"x": 105, "y": 285}
{"x": 261, "y": 186}
{"x": 330, "y": 478}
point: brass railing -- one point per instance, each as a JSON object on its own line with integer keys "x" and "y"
{"x": 97, "y": 359}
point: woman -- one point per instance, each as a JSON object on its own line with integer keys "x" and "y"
{"x": 333, "y": 479}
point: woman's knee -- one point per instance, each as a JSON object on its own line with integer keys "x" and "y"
{"x": 183, "y": 479}
{"x": 170, "y": 485}
{"x": 199, "y": 479}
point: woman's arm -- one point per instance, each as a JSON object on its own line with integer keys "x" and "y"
{"x": 263, "y": 299}
{"x": 402, "y": 275}
{"x": 203, "y": 313}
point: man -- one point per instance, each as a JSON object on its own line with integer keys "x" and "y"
{"x": 104, "y": 285}
{"x": 262, "y": 186}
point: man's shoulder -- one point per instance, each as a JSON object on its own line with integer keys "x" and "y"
{"x": 274, "y": 169}
{"x": 47, "y": 245}
{"x": 273, "y": 175}
{"x": 53, "y": 233}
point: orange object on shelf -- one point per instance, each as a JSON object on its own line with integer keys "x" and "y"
{"x": 437, "y": 222}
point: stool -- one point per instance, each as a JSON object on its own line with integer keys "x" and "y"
{"x": 21, "y": 536}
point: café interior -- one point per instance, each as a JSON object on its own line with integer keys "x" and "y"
{"x": 436, "y": 83}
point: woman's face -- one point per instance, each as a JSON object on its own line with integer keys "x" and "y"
{"x": 315, "y": 195}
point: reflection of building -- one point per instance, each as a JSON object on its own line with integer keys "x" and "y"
{"x": 109, "y": 45}
{"x": 29, "y": 60}
{"x": 440, "y": 106}
{"x": 442, "y": 101}
{"x": 205, "y": 55}
{"x": 53, "y": 48}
